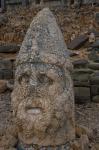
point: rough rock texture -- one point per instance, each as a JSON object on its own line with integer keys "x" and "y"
{"x": 43, "y": 99}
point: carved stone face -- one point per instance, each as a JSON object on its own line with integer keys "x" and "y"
{"x": 42, "y": 99}
{"x": 42, "y": 103}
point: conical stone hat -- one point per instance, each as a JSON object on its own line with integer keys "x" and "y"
{"x": 43, "y": 42}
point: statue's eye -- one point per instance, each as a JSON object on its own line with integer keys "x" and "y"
{"x": 44, "y": 79}
{"x": 24, "y": 78}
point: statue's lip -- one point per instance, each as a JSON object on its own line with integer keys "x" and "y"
{"x": 34, "y": 110}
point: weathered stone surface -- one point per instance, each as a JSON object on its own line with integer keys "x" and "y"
{"x": 43, "y": 99}
{"x": 77, "y": 42}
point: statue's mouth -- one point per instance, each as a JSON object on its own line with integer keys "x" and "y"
{"x": 34, "y": 110}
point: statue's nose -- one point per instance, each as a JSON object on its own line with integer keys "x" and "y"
{"x": 34, "y": 89}
{"x": 34, "y": 85}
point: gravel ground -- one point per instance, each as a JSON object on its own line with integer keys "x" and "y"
{"x": 88, "y": 115}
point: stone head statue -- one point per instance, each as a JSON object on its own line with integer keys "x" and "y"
{"x": 42, "y": 99}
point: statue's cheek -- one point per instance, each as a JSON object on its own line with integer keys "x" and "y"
{"x": 55, "y": 89}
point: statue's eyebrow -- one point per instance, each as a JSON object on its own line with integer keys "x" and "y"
{"x": 21, "y": 73}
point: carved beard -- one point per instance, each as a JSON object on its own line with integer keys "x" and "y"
{"x": 47, "y": 127}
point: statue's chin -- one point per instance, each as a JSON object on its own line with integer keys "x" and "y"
{"x": 40, "y": 129}
{"x": 45, "y": 140}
